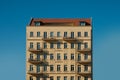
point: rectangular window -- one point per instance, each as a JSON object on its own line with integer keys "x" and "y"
{"x": 58, "y": 45}
{"x": 51, "y": 57}
{"x": 72, "y": 78}
{"x": 45, "y": 35}
{"x": 37, "y": 78}
{"x": 58, "y": 67}
{"x": 38, "y": 57}
{"x": 31, "y": 78}
{"x": 65, "y": 56}
{"x": 58, "y": 34}
{"x": 45, "y": 68}
{"x": 65, "y": 45}
{"x": 85, "y": 34}
{"x": 85, "y": 56}
{"x": 85, "y": 67}
{"x": 79, "y": 77}
{"x": 79, "y": 34}
{"x": 45, "y": 56}
{"x": 51, "y": 78}
{"x": 72, "y": 45}
{"x": 79, "y": 57}
{"x": 72, "y": 56}
{"x": 79, "y": 68}
{"x": 45, "y": 45}
{"x": 65, "y": 67}
{"x": 38, "y": 68}
{"x": 31, "y": 67}
{"x": 51, "y": 34}
{"x": 85, "y": 78}
{"x": 31, "y": 34}
{"x": 38, "y": 34}
{"x": 51, "y": 68}
{"x": 82, "y": 23}
{"x": 37, "y": 23}
{"x": 85, "y": 45}
{"x": 79, "y": 46}
{"x": 72, "y": 34}
{"x": 38, "y": 46}
{"x": 58, "y": 56}
{"x": 65, "y": 34}
{"x": 31, "y": 45}
{"x": 65, "y": 77}
{"x": 51, "y": 45}
{"x": 31, "y": 56}
{"x": 58, "y": 77}
{"x": 72, "y": 67}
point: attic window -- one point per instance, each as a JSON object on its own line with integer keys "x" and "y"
{"x": 82, "y": 23}
{"x": 37, "y": 23}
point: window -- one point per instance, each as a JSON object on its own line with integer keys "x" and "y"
{"x": 72, "y": 56}
{"x": 51, "y": 78}
{"x": 72, "y": 67}
{"x": 79, "y": 34}
{"x": 79, "y": 57}
{"x": 38, "y": 57}
{"x": 58, "y": 34}
{"x": 72, "y": 78}
{"x": 31, "y": 34}
{"x": 65, "y": 67}
{"x": 38, "y": 78}
{"x": 51, "y": 45}
{"x": 31, "y": 78}
{"x": 65, "y": 77}
{"x": 65, "y": 56}
{"x": 85, "y": 56}
{"x": 79, "y": 68}
{"x": 85, "y": 45}
{"x": 85, "y": 78}
{"x": 85, "y": 67}
{"x": 38, "y": 46}
{"x": 31, "y": 67}
{"x": 72, "y": 45}
{"x": 31, "y": 45}
{"x": 58, "y": 56}
{"x": 51, "y": 68}
{"x": 38, "y": 34}
{"x": 65, "y": 34}
{"x": 58, "y": 77}
{"x": 45, "y": 68}
{"x": 45, "y": 45}
{"x": 45, "y": 56}
{"x": 44, "y": 78}
{"x": 51, "y": 57}
{"x": 79, "y": 46}
{"x": 31, "y": 56}
{"x": 51, "y": 34}
{"x": 65, "y": 45}
{"x": 85, "y": 34}
{"x": 82, "y": 23}
{"x": 79, "y": 77}
{"x": 45, "y": 35}
{"x": 58, "y": 45}
{"x": 38, "y": 68}
{"x": 72, "y": 34}
{"x": 37, "y": 23}
{"x": 58, "y": 67}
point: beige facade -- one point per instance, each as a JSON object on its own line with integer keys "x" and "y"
{"x": 59, "y": 49}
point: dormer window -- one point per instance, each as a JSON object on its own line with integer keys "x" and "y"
{"x": 37, "y": 23}
{"x": 82, "y": 23}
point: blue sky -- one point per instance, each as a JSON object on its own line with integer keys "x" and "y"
{"x": 16, "y": 14}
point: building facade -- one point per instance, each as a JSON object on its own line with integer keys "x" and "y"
{"x": 59, "y": 49}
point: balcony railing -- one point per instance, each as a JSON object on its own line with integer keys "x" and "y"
{"x": 69, "y": 38}
{"x": 84, "y": 61}
{"x": 35, "y": 50}
{"x": 50, "y": 39}
{"x": 84, "y": 50}
{"x": 41, "y": 73}
{"x": 84, "y": 73}
{"x": 37, "y": 61}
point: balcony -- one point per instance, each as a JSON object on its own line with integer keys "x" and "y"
{"x": 35, "y": 50}
{"x": 41, "y": 73}
{"x": 84, "y": 50}
{"x": 37, "y": 61}
{"x": 69, "y": 39}
{"x": 85, "y": 62}
{"x": 50, "y": 39}
{"x": 85, "y": 73}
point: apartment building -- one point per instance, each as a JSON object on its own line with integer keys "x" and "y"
{"x": 59, "y": 49}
